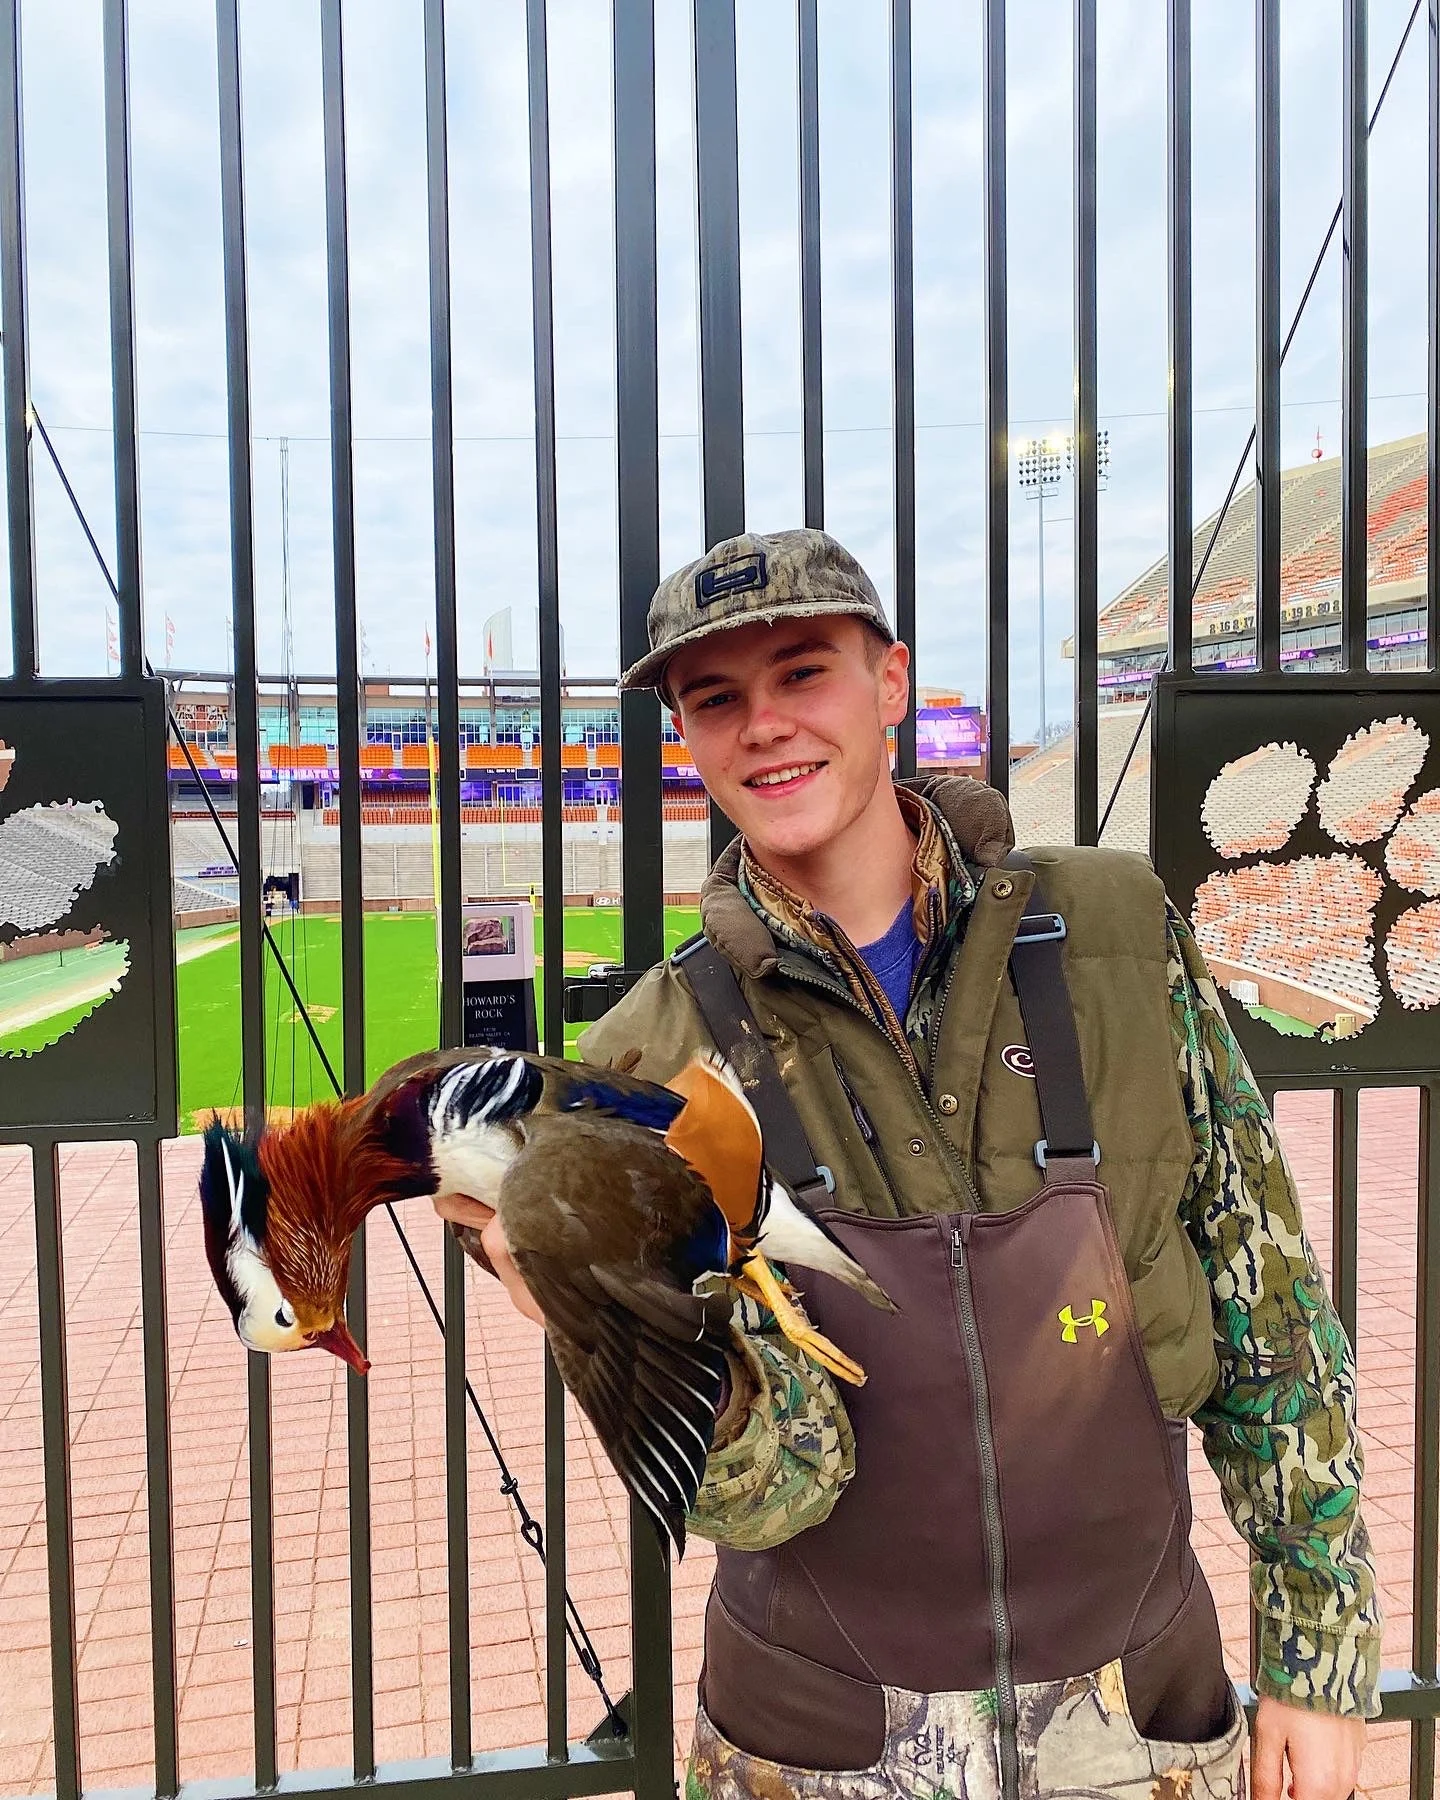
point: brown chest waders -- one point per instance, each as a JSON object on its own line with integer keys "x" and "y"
{"x": 1004, "y": 1601}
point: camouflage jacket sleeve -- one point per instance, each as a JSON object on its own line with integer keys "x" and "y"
{"x": 1279, "y": 1428}
{"x": 783, "y": 1446}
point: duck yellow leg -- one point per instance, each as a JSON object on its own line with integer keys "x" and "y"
{"x": 760, "y": 1281}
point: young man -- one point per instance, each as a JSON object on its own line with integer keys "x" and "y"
{"x": 972, "y": 1575}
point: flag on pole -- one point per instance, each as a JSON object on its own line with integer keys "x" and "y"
{"x": 427, "y": 643}
{"x": 169, "y": 639}
{"x": 112, "y": 641}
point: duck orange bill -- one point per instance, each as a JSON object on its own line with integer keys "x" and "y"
{"x": 338, "y": 1341}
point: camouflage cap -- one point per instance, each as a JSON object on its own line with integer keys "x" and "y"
{"x": 749, "y": 580}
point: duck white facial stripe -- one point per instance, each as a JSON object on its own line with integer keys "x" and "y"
{"x": 265, "y": 1321}
{"x": 237, "y": 1192}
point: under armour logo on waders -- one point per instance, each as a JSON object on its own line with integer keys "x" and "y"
{"x": 1095, "y": 1317}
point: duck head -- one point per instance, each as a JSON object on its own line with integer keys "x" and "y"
{"x": 278, "y": 1236}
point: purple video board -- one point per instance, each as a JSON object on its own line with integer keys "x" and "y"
{"x": 949, "y": 734}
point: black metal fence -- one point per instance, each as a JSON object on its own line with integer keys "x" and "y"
{"x": 42, "y": 1112}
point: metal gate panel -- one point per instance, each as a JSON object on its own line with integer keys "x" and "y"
{"x": 1198, "y": 718}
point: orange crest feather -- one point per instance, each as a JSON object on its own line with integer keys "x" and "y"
{"x": 718, "y": 1136}
{"x": 325, "y": 1171}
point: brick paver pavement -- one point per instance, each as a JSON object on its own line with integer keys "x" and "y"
{"x": 507, "y": 1590}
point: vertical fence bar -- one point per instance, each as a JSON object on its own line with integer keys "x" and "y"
{"x": 1345, "y": 1203}
{"x": 342, "y": 481}
{"x": 1180, "y": 441}
{"x": 552, "y": 796}
{"x": 552, "y": 791}
{"x": 158, "y": 1485}
{"x": 15, "y": 352}
{"x": 442, "y": 468}
{"x": 352, "y": 917}
{"x": 1267, "y": 334}
{"x": 457, "y": 1523}
{"x": 55, "y": 1426}
{"x": 997, "y": 405}
{"x": 902, "y": 352}
{"x": 1426, "y": 1569}
{"x": 1086, "y": 502}
{"x": 812, "y": 376}
{"x": 637, "y": 447}
{"x": 115, "y": 32}
{"x": 717, "y": 187}
{"x": 452, "y": 996}
{"x": 1267, "y": 1095}
{"x": 651, "y": 1636}
{"x": 1432, "y": 359}
{"x": 1426, "y": 1577}
{"x": 557, "y": 1734}
{"x": 1354, "y": 276}
{"x": 717, "y": 190}
{"x": 247, "y": 831}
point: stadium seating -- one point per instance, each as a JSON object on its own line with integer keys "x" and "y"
{"x": 1362, "y": 795}
{"x": 1412, "y": 956}
{"x": 1413, "y": 853}
{"x": 1310, "y": 533}
{"x": 190, "y": 896}
{"x": 1042, "y": 787}
{"x": 51, "y": 854}
{"x": 1255, "y": 802}
{"x": 1306, "y": 923}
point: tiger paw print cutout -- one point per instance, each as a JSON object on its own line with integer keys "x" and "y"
{"x": 51, "y": 977}
{"x": 1293, "y": 940}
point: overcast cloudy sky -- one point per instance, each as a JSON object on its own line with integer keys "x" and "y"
{"x": 181, "y": 346}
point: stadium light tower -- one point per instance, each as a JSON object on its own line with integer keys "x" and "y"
{"x": 1037, "y": 469}
{"x": 1038, "y": 463}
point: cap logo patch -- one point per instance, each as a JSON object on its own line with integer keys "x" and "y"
{"x": 744, "y": 575}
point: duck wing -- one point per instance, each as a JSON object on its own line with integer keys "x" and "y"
{"x": 610, "y": 1230}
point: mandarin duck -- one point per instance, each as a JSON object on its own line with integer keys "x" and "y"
{"x": 633, "y": 1213}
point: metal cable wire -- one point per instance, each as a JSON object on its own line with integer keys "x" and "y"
{"x": 530, "y": 1528}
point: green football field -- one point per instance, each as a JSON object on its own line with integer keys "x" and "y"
{"x": 401, "y": 998}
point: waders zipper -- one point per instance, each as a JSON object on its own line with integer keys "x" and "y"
{"x": 1007, "y": 1709}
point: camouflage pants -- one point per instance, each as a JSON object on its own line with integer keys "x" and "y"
{"x": 1076, "y": 1739}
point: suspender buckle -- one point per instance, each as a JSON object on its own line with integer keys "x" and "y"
{"x": 1041, "y": 928}
{"x": 817, "y": 1189}
{"x": 1042, "y": 1153}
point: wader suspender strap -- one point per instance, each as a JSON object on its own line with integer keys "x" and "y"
{"x": 1068, "y": 1151}
{"x": 738, "y": 1039}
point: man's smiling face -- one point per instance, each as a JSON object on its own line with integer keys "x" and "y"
{"x": 786, "y": 725}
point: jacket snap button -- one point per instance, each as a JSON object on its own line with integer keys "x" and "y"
{"x": 1003, "y": 888}
{"x": 917, "y": 1146}
{"x": 948, "y": 1103}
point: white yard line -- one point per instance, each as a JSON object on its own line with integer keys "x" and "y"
{"x": 62, "y": 1000}
{"x": 185, "y": 953}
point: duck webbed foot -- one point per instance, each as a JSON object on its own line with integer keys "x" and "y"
{"x": 757, "y": 1279}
